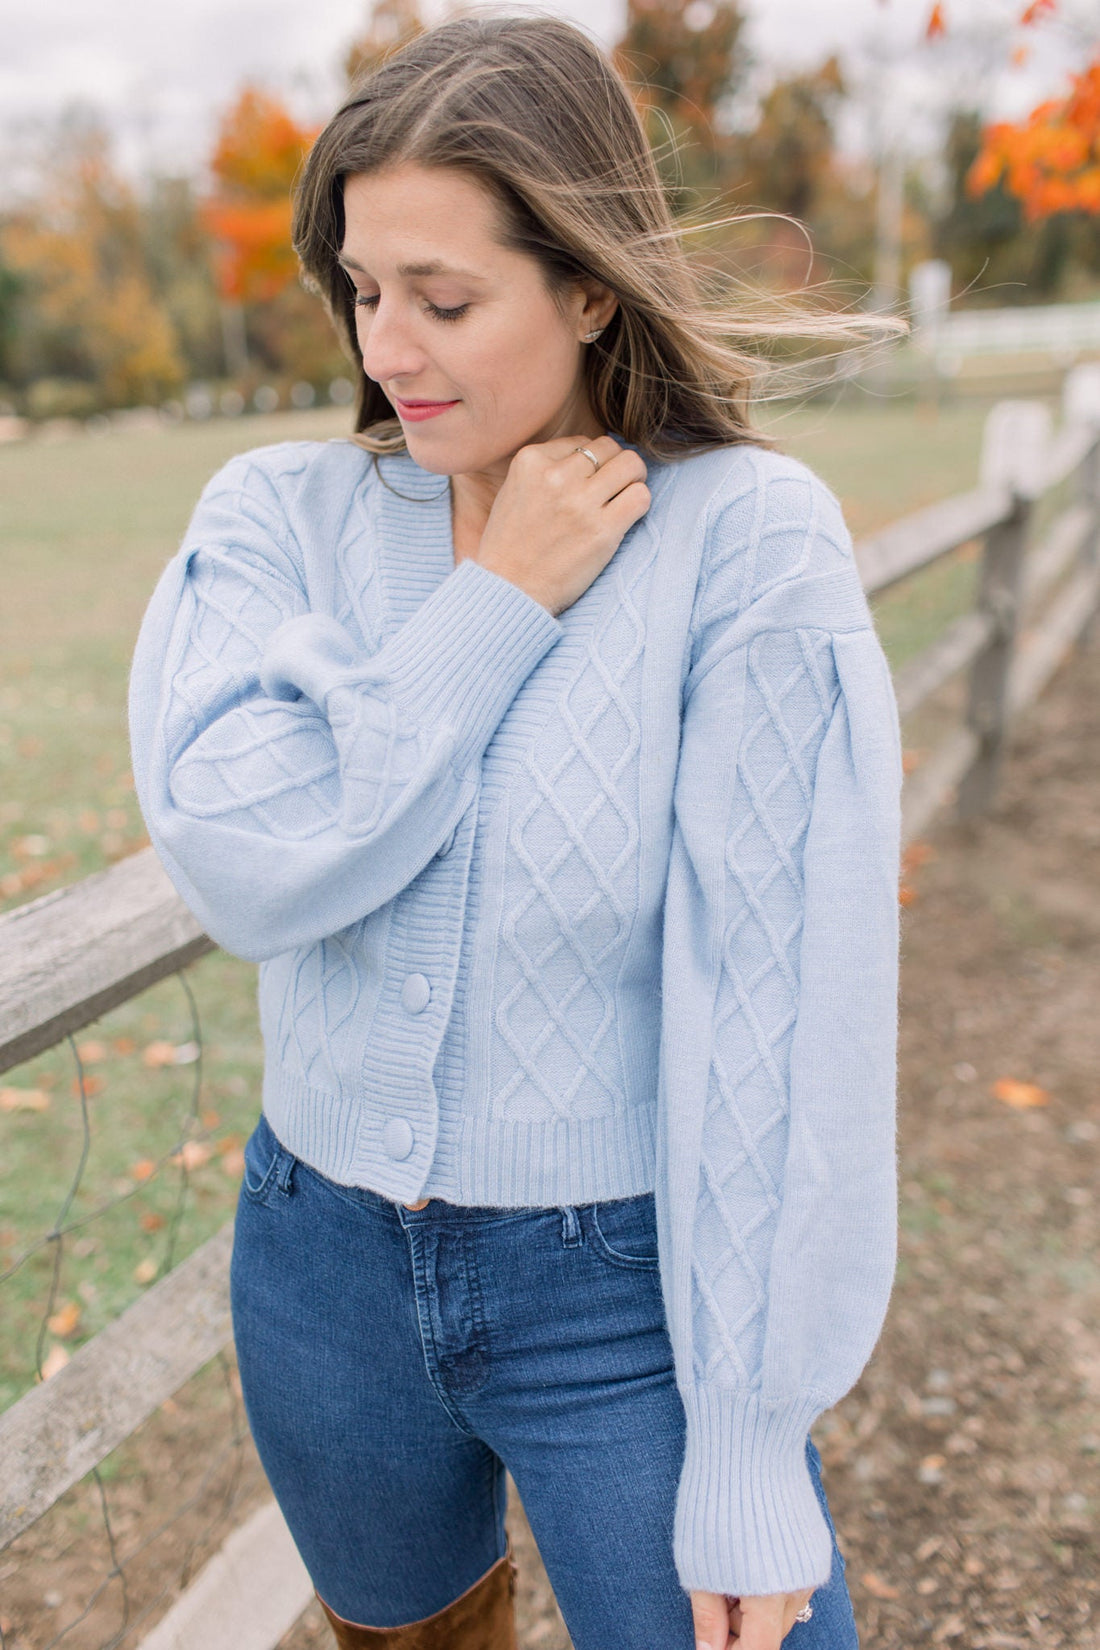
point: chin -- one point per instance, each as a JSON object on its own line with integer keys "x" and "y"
{"x": 448, "y": 458}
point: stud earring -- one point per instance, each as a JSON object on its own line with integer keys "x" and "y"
{"x": 590, "y": 337}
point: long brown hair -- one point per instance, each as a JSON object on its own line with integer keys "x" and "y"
{"x": 531, "y": 108}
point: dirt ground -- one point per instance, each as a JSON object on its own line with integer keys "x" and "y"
{"x": 964, "y": 1469}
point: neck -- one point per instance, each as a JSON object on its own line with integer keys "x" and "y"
{"x": 473, "y": 492}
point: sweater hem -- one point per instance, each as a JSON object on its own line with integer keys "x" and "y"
{"x": 483, "y": 1162}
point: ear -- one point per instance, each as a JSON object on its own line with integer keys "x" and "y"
{"x": 596, "y": 305}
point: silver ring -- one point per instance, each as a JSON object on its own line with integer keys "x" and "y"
{"x": 590, "y": 455}
{"x": 805, "y": 1613}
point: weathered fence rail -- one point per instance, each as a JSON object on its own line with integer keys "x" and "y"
{"x": 69, "y": 957}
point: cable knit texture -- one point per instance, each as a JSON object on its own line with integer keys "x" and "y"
{"x": 554, "y": 910}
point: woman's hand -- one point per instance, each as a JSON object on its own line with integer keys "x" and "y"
{"x": 556, "y": 522}
{"x": 749, "y": 1623}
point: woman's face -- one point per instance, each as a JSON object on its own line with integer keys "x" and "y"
{"x": 461, "y": 333}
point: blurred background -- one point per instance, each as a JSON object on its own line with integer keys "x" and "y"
{"x": 940, "y": 161}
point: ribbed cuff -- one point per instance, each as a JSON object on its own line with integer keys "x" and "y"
{"x": 457, "y": 663}
{"x": 748, "y": 1520}
{"x": 461, "y": 658}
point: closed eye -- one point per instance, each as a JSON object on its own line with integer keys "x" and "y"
{"x": 370, "y": 301}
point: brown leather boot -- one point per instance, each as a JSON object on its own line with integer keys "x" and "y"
{"x": 483, "y": 1618}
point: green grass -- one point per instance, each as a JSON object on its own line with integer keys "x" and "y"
{"x": 86, "y": 524}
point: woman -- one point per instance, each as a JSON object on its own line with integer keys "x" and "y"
{"x": 539, "y": 745}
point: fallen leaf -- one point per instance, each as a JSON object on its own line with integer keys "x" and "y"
{"x": 151, "y": 1221}
{"x": 159, "y": 1054}
{"x": 930, "y": 1470}
{"x": 949, "y": 1628}
{"x": 233, "y": 1163}
{"x": 24, "y": 1100}
{"x": 228, "y": 1143}
{"x": 192, "y": 1154}
{"x": 145, "y": 1271}
{"x": 1020, "y": 1095}
{"x": 31, "y": 847}
{"x": 877, "y": 1587}
{"x": 56, "y": 1358}
{"x": 911, "y": 759}
{"x": 124, "y": 1045}
{"x": 91, "y": 1052}
{"x": 88, "y": 820}
{"x": 210, "y": 1119}
{"x": 92, "y": 1084}
{"x": 906, "y": 894}
{"x": 143, "y": 1168}
{"x": 64, "y": 1321}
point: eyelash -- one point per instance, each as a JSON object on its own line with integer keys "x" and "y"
{"x": 368, "y": 301}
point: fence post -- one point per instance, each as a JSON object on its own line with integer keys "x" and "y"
{"x": 1014, "y": 452}
{"x": 1081, "y": 405}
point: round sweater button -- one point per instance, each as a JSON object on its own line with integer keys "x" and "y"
{"x": 397, "y": 1137}
{"x": 415, "y": 993}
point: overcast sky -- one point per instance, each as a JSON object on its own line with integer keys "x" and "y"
{"x": 162, "y": 72}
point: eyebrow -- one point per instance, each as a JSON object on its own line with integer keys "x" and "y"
{"x": 432, "y": 267}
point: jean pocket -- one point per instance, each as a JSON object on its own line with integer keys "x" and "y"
{"x": 267, "y": 1163}
{"x": 624, "y": 1231}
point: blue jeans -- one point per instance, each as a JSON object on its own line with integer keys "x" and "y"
{"x": 395, "y": 1362}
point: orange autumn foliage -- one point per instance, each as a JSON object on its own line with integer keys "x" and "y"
{"x": 937, "y": 23}
{"x": 259, "y": 151}
{"x": 1051, "y": 160}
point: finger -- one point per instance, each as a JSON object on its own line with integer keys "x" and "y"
{"x": 761, "y": 1623}
{"x": 618, "y": 472}
{"x": 712, "y": 1621}
{"x": 627, "y": 506}
{"x": 795, "y": 1602}
{"x": 563, "y": 447}
{"x": 604, "y": 448}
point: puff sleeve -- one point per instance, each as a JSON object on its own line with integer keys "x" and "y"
{"x": 776, "y": 1188}
{"x": 292, "y": 782}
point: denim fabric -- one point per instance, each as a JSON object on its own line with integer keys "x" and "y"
{"x": 395, "y": 1362}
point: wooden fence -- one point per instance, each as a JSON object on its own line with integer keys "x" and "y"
{"x": 67, "y": 958}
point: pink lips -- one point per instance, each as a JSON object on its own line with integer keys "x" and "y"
{"x": 413, "y": 411}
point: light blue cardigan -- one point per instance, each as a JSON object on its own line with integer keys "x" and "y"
{"x": 554, "y": 910}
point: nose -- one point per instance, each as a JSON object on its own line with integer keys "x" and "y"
{"x": 386, "y": 344}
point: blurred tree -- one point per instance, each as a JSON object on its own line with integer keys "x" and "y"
{"x": 181, "y": 259}
{"x": 996, "y": 253}
{"x": 1051, "y": 160}
{"x": 88, "y": 308}
{"x": 389, "y": 25}
{"x": 259, "y": 151}
{"x": 685, "y": 61}
{"x": 786, "y": 160}
{"x": 11, "y": 289}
